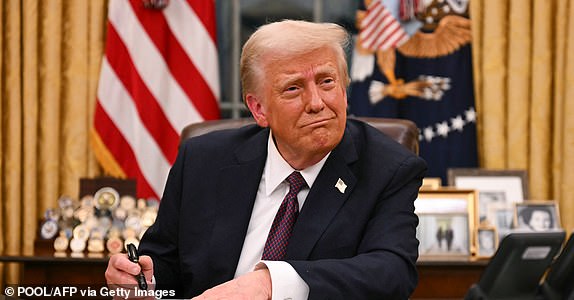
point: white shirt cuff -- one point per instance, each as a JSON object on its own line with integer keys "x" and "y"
{"x": 285, "y": 281}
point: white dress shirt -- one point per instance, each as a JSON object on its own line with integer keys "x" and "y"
{"x": 285, "y": 282}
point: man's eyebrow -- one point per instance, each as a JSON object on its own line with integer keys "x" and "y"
{"x": 326, "y": 69}
{"x": 289, "y": 78}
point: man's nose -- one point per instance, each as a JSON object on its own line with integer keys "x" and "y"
{"x": 314, "y": 100}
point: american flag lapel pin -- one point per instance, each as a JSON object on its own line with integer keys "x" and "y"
{"x": 341, "y": 186}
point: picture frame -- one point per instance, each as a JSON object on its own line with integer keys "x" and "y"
{"x": 498, "y": 191}
{"x": 431, "y": 183}
{"x": 446, "y": 223}
{"x": 535, "y": 215}
{"x": 486, "y": 242}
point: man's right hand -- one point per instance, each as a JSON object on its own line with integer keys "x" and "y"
{"x": 121, "y": 272}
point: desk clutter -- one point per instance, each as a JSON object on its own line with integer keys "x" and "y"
{"x": 478, "y": 208}
{"x": 105, "y": 221}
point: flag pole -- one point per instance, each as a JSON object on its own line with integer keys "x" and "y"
{"x": 317, "y": 10}
{"x": 235, "y": 53}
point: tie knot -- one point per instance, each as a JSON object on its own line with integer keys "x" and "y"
{"x": 296, "y": 182}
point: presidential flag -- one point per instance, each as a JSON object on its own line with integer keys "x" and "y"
{"x": 159, "y": 74}
{"x": 426, "y": 78}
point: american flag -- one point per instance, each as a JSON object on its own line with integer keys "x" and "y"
{"x": 159, "y": 74}
{"x": 379, "y": 30}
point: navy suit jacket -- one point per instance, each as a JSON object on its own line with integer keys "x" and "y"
{"x": 360, "y": 244}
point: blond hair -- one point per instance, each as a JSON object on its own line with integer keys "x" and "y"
{"x": 288, "y": 38}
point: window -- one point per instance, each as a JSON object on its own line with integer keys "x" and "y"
{"x": 237, "y": 19}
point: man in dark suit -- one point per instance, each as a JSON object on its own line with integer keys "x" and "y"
{"x": 305, "y": 204}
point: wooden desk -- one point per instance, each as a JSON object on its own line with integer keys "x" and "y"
{"x": 54, "y": 270}
{"x": 46, "y": 270}
{"x": 447, "y": 279}
{"x": 437, "y": 279}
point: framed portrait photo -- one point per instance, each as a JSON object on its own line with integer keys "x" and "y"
{"x": 498, "y": 191}
{"x": 431, "y": 183}
{"x": 446, "y": 223}
{"x": 486, "y": 241}
{"x": 537, "y": 216}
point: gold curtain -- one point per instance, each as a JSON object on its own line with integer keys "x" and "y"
{"x": 50, "y": 60}
{"x": 523, "y": 56}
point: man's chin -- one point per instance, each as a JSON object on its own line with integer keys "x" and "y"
{"x": 324, "y": 141}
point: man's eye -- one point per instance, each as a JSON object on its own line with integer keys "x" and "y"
{"x": 291, "y": 88}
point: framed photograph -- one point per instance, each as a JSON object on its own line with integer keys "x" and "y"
{"x": 502, "y": 215}
{"x": 498, "y": 191}
{"x": 431, "y": 183}
{"x": 486, "y": 241}
{"x": 537, "y": 216}
{"x": 446, "y": 222}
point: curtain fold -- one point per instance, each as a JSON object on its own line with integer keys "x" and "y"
{"x": 523, "y": 64}
{"x": 2, "y": 198}
{"x": 50, "y": 59}
{"x": 30, "y": 121}
{"x": 49, "y": 101}
{"x": 12, "y": 133}
{"x": 519, "y": 68}
{"x": 541, "y": 101}
{"x": 563, "y": 158}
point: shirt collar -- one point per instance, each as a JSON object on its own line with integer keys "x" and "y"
{"x": 277, "y": 169}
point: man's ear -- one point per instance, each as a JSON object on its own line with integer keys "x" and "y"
{"x": 257, "y": 110}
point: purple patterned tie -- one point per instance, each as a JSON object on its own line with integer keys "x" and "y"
{"x": 280, "y": 232}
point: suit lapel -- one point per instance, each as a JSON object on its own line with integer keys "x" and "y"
{"x": 324, "y": 200}
{"x": 237, "y": 189}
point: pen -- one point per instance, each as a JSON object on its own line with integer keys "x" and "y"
{"x": 134, "y": 257}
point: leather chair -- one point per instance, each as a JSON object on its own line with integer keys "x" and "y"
{"x": 559, "y": 282}
{"x": 403, "y": 131}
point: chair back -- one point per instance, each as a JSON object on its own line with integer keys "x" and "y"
{"x": 405, "y": 132}
{"x": 515, "y": 270}
{"x": 559, "y": 283}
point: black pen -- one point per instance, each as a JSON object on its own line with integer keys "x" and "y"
{"x": 134, "y": 257}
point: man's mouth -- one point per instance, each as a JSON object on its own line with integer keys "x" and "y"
{"x": 318, "y": 122}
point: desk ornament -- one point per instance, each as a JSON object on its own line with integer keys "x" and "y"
{"x": 114, "y": 243}
{"x": 96, "y": 241}
{"x": 130, "y": 237}
{"x": 128, "y": 203}
{"x": 134, "y": 222}
{"x": 106, "y": 198}
{"x": 80, "y": 236}
{"x": 61, "y": 242}
{"x": 77, "y": 244}
{"x": 66, "y": 207}
{"x": 87, "y": 201}
{"x": 148, "y": 217}
{"x": 141, "y": 204}
{"x": 49, "y": 228}
{"x": 81, "y": 232}
{"x": 120, "y": 213}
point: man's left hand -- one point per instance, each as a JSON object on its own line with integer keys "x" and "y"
{"x": 253, "y": 285}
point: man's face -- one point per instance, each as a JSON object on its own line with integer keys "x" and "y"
{"x": 303, "y": 100}
{"x": 540, "y": 220}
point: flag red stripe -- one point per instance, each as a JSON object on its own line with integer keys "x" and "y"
{"x": 376, "y": 18}
{"x": 180, "y": 65}
{"x": 122, "y": 151}
{"x": 377, "y": 30}
{"x": 148, "y": 108}
{"x": 372, "y": 14}
{"x": 144, "y": 139}
{"x": 394, "y": 39}
{"x": 388, "y": 35}
{"x": 380, "y": 30}
{"x": 205, "y": 10}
